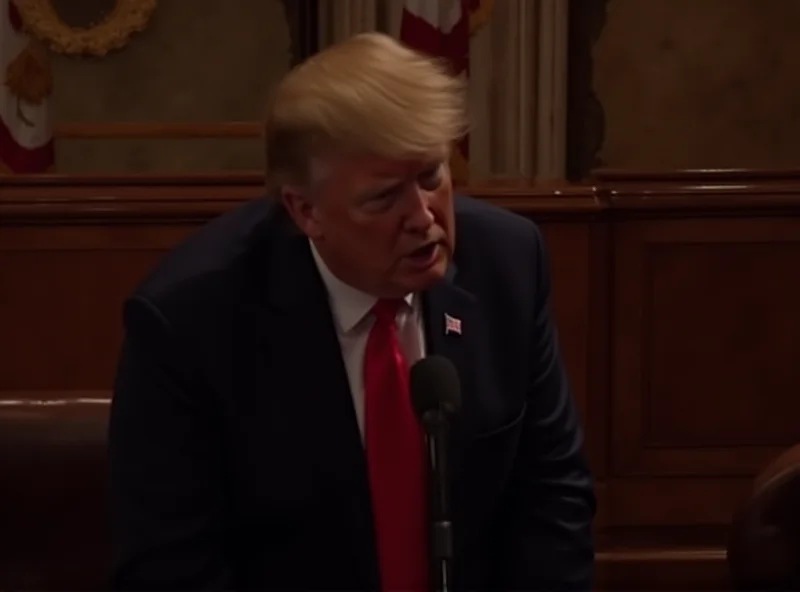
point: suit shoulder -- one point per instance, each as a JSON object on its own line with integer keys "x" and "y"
{"x": 204, "y": 261}
{"x": 487, "y": 226}
{"x": 499, "y": 257}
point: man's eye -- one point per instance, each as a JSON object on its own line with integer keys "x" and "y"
{"x": 430, "y": 179}
{"x": 381, "y": 201}
{"x": 387, "y": 195}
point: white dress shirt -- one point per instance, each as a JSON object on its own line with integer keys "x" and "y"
{"x": 350, "y": 308}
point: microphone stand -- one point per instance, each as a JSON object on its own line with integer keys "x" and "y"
{"x": 441, "y": 530}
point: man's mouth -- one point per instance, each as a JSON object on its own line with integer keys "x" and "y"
{"x": 424, "y": 255}
{"x": 424, "y": 251}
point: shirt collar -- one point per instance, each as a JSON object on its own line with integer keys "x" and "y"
{"x": 348, "y": 304}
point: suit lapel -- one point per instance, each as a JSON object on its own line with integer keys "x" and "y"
{"x": 297, "y": 332}
{"x": 309, "y": 337}
{"x": 461, "y": 345}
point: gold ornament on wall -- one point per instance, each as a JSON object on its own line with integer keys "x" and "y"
{"x": 29, "y": 77}
{"x": 112, "y": 31}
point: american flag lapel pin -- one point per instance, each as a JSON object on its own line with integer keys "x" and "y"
{"x": 451, "y": 325}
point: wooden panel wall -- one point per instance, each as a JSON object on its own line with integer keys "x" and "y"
{"x": 676, "y": 298}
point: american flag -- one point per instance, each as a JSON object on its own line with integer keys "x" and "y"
{"x": 26, "y": 135}
{"x": 442, "y": 28}
{"x": 451, "y": 325}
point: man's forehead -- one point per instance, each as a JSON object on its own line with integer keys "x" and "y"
{"x": 390, "y": 168}
{"x": 359, "y": 171}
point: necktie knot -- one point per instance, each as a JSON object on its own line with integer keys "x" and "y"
{"x": 385, "y": 310}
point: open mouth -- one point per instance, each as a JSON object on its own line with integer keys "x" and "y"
{"x": 424, "y": 254}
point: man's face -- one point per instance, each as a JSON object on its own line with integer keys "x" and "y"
{"x": 383, "y": 226}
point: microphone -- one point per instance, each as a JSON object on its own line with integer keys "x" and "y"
{"x": 436, "y": 397}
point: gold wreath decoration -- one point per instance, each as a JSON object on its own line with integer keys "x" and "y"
{"x": 113, "y": 32}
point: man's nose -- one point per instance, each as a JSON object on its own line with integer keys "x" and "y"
{"x": 420, "y": 216}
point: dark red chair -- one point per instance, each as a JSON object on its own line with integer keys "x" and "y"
{"x": 764, "y": 546}
{"x": 53, "y": 509}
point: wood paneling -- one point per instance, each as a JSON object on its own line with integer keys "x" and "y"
{"x": 675, "y": 295}
{"x": 694, "y": 300}
{"x": 158, "y": 129}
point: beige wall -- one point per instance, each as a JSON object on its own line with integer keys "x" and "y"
{"x": 199, "y": 60}
{"x": 683, "y": 83}
{"x": 700, "y": 83}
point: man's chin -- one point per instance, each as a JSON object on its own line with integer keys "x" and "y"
{"x": 421, "y": 279}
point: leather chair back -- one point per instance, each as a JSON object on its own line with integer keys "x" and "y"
{"x": 53, "y": 508}
{"x": 764, "y": 546}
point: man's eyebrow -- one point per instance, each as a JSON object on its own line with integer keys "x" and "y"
{"x": 376, "y": 191}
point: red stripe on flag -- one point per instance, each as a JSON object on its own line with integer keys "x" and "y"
{"x": 418, "y": 33}
{"x": 23, "y": 160}
{"x": 453, "y": 46}
{"x": 14, "y": 17}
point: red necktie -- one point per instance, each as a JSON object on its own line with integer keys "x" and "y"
{"x": 395, "y": 456}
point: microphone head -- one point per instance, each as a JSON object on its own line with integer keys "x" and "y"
{"x": 435, "y": 386}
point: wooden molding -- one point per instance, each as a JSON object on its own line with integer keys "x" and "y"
{"x": 726, "y": 176}
{"x": 157, "y": 129}
{"x": 201, "y": 196}
{"x": 42, "y": 198}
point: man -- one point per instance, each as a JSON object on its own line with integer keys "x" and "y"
{"x": 261, "y": 432}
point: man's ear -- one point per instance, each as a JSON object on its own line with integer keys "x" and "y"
{"x": 302, "y": 210}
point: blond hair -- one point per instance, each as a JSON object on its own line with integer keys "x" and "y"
{"x": 369, "y": 94}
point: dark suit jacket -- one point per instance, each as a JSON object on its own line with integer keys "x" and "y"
{"x": 236, "y": 460}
